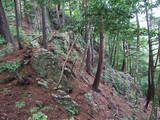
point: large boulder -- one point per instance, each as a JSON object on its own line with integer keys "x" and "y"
{"x": 46, "y": 64}
{"x": 123, "y": 83}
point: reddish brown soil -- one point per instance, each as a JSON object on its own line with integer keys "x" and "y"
{"x": 109, "y": 104}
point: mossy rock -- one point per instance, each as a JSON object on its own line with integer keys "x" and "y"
{"x": 67, "y": 103}
{"x": 46, "y": 64}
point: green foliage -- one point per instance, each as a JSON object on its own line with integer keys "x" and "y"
{"x": 45, "y": 108}
{"x": 143, "y": 83}
{"x": 71, "y": 111}
{"x": 70, "y": 118}
{"x": 20, "y": 104}
{"x": 120, "y": 86}
{"x": 73, "y": 56}
{"x": 26, "y": 39}
{"x": 34, "y": 109}
{"x": 38, "y": 116}
{"x": 10, "y": 66}
{"x": 11, "y": 16}
{"x": 2, "y": 40}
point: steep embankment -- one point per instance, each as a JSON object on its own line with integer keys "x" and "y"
{"x": 39, "y": 71}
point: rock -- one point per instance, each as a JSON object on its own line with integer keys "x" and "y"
{"x": 122, "y": 82}
{"x": 67, "y": 103}
{"x": 39, "y": 104}
{"x": 42, "y": 83}
{"x": 61, "y": 43}
{"x": 62, "y": 36}
{"x": 55, "y": 21}
{"x": 35, "y": 44}
{"x": 61, "y": 92}
{"x": 6, "y": 50}
{"x": 90, "y": 98}
{"x": 46, "y": 64}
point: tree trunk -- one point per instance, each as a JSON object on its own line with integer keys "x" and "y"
{"x": 155, "y": 104}
{"x": 19, "y": 8}
{"x": 58, "y": 16}
{"x": 63, "y": 11}
{"x": 117, "y": 59}
{"x": 151, "y": 86}
{"x": 88, "y": 58}
{"x": 92, "y": 51}
{"x": 101, "y": 59}
{"x": 44, "y": 28}
{"x": 124, "y": 58}
{"x": 17, "y": 24}
{"x": 114, "y": 56}
{"x": 70, "y": 8}
{"x": 4, "y": 27}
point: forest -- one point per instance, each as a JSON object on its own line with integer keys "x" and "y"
{"x": 79, "y": 59}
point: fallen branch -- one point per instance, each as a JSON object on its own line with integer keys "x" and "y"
{"x": 63, "y": 67}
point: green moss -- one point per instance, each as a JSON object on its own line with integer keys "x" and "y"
{"x": 20, "y": 104}
{"x": 34, "y": 109}
{"x": 73, "y": 56}
{"x": 45, "y": 108}
{"x": 10, "y": 66}
{"x": 68, "y": 104}
{"x": 38, "y": 116}
{"x": 70, "y": 118}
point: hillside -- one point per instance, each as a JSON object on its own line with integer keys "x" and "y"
{"x": 37, "y": 93}
{"x": 79, "y": 60}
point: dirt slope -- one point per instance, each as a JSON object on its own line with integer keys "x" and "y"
{"x": 102, "y": 106}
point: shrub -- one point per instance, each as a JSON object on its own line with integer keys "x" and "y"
{"x": 10, "y": 66}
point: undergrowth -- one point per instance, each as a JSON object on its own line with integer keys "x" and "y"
{"x": 38, "y": 116}
{"x": 10, "y": 66}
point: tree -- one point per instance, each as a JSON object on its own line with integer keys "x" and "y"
{"x": 151, "y": 86}
{"x": 101, "y": 59}
{"x": 44, "y": 28}
{"x": 4, "y": 27}
{"x": 17, "y": 24}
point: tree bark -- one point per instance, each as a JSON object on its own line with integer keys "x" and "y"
{"x": 63, "y": 11}
{"x": 58, "y": 16}
{"x": 17, "y": 24}
{"x": 88, "y": 58}
{"x": 124, "y": 58}
{"x": 4, "y": 27}
{"x": 114, "y": 56}
{"x": 151, "y": 86}
{"x": 44, "y": 28}
{"x": 101, "y": 59}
